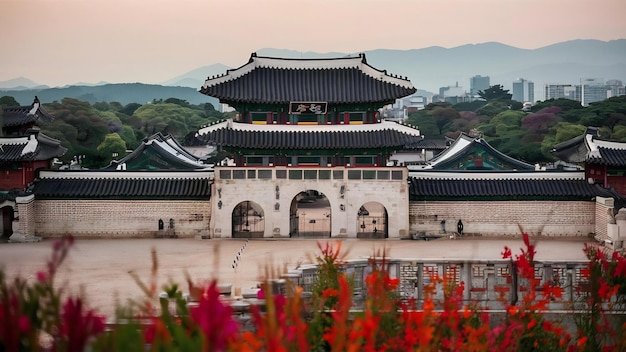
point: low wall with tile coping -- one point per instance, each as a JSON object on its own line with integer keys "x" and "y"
{"x": 505, "y": 218}
{"x": 121, "y": 218}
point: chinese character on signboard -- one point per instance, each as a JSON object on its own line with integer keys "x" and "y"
{"x": 302, "y": 107}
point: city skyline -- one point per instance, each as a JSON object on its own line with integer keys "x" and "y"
{"x": 60, "y": 42}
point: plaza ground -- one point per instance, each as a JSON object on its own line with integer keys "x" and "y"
{"x": 100, "y": 268}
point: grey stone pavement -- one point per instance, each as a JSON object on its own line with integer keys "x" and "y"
{"x": 99, "y": 268}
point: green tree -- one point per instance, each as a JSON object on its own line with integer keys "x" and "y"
{"x": 78, "y": 126}
{"x": 181, "y": 102}
{"x": 493, "y": 108}
{"x": 127, "y": 133}
{"x": 560, "y": 132}
{"x": 442, "y": 114}
{"x": 470, "y": 106}
{"x": 619, "y": 133}
{"x": 130, "y": 108}
{"x": 8, "y": 101}
{"x": 564, "y": 104}
{"x": 111, "y": 119}
{"x": 113, "y": 147}
{"x": 424, "y": 121}
{"x": 495, "y": 92}
{"x": 169, "y": 118}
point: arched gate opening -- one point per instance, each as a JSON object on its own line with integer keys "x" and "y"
{"x": 372, "y": 221}
{"x": 248, "y": 220}
{"x": 310, "y": 215}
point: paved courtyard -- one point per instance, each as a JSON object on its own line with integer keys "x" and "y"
{"x": 100, "y": 267}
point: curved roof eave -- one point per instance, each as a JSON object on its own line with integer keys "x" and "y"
{"x": 358, "y": 62}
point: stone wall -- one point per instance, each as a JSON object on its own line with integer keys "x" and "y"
{"x": 345, "y": 192}
{"x": 497, "y": 218}
{"x": 121, "y": 218}
{"x": 23, "y": 224}
{"x": 604, "y": 217}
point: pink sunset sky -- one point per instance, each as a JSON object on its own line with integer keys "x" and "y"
{"x": 58, "y": 42}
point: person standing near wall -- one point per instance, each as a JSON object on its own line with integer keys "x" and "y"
{"x": 459, "y": 228}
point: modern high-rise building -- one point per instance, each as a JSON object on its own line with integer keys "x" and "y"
{"x": 453, "y": 95}
{"x": 615, "y": 87}
{"x": 592, "y": 90}
{"x": 558, "y": 91}
{"x": 478, "y": 83}
{"x": 523, "y": 90}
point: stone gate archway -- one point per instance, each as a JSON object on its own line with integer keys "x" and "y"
{"x": 372, "y": 221}
{"x": 248, "y": 220}
{"x": 310, "y": 215}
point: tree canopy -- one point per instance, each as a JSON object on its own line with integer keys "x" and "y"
{"x": 495, "y": 92}
{"x": 527, "y": 136}
{"x": 83, "y": 128}
{"x": 104, "y": 129}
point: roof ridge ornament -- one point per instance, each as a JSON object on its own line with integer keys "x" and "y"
{"x": 34, "y": 106}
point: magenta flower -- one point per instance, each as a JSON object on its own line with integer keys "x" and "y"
{"x": 215, "y": 319}
{"x": 78, "y": 325}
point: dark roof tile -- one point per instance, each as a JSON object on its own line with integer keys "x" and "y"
{"x": 122, "y": 188}
{"x": 336, "y": 81}
{"x": 240, "y": 135}
{"x": 23, "y": 115}
{"x": 507, "y": 189}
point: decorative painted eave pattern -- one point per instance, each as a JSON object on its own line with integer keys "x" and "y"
{"x": 122, "y": 185}
{"x": 279, "y": 81}
{"x": 506, "y": 186}
{"x": 168, "y": 149}
{"x": 241, "y": 135}
{"x": 463, "y": 145}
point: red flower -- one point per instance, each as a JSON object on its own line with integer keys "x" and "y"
{"x": 330, "y": 292}
{"x": 23, "y": 324}
{"x": 507, "y": 253}
{"x": 215, "y": 319}
{"x": 78, "y": 325}
{"x": 42, "y": 276}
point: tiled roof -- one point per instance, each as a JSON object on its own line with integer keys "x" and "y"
{"x": 23, "y": 115}
{"x": 242, "y": 135}
{"x": 336, "y": 81}
{"x": 12, "y": 194}
{"x": 170, "y": 155}
{"x": 464, "y": 146}
{"x": 609, "y": 156}
{"x": 591, "y": 149}
{"x": 122, "y": 185}
{"x": 35, "y": 146}
{"x": 503, "y": 187}
{"x": 431, "y": 144}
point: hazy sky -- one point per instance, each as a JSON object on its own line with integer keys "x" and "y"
{"x": 58, "y": 42}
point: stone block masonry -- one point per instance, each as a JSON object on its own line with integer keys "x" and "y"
{"x": 121, "y": 218}
{"x": 505, "y": 218}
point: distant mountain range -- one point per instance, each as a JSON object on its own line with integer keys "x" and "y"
{"x": 123, "y": 93}
{"x": 428, "y": 68}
